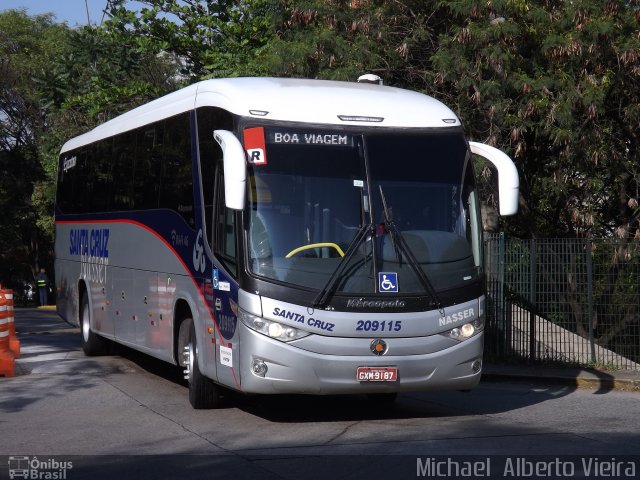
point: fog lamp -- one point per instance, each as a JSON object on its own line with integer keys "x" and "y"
{"x": 259, "y": 367}
{"x": 476, "y": 366}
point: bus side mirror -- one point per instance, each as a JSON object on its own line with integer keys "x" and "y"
{"x": 235, "y": 172}
{"x": 508, "y": 180}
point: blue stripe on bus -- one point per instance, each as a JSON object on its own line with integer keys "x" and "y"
{"x": 152, "y": 218}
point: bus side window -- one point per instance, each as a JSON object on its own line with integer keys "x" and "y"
{"x": 81, "y": 188}
{"x": 176, "y": 181}
{"x": 146, "y": 170}
{"x": 224, "y": 243}
{"x": 209, "y": 157}
{"x": 210, "y": 153}
{"x": 123, "y": 156}
{"x": 102, "y": 171}
{"x": 63, "y": 185}
{"x": 66, "y": 181}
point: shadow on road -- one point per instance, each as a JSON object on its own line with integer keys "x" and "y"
{"x": 45, "y": 333}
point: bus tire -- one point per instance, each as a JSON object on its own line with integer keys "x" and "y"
{"x": 203, "y": 393}
{"x": 92, "y": 343}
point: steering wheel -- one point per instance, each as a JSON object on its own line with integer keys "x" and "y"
{"x": 295, "y": 251}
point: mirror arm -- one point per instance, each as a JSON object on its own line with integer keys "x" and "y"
{"x": 508, "y": 179}
{"x": 235, "y": 171}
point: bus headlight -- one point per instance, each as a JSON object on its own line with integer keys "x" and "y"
{"x": 468, "y": 330}
{"x": 272, "y": 329}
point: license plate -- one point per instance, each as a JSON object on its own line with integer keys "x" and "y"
{"x": 377, "y": 374}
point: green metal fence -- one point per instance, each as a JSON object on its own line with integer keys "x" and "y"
{"x": 573, "y": 301}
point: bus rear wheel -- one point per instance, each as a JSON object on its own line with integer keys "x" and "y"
{"x": 92, "y": 343}
{"x": 203, "y": 393}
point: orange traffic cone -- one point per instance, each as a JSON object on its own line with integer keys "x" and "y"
{"x": 7, "y": 364}
{"x": 14, "y": 343}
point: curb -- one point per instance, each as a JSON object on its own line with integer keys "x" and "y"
{"x": 602, "y": 381}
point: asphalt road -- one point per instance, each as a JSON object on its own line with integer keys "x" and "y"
{"x": 129, "y": 416}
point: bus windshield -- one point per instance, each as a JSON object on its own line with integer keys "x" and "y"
{"x": 314, "y": 192}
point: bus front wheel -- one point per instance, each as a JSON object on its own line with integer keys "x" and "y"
{"x": 203, "y": 393}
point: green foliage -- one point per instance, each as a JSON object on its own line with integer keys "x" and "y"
{"x": 556, "y": 84}
{"x": 97, "y": 76}
{"x": 27, "y": 45}
{"x": 211, "y": 38}
{"x": 344, "y": 39}
{"x": 57, "y": 83}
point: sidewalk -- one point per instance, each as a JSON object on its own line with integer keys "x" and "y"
{"x": 570, "y": 376}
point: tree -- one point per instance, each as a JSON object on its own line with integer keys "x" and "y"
{"x": 27, "y": 45}
{"x": 99, "y": 74}
{"x": 57, "y": 83}
{"x": 556, "y": 83}
{"x": 552, "y": 82}
{"x": 211, "y": 38}
{"x": 340, "y": 39}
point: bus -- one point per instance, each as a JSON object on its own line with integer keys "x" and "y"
{"x": 278, "y": 236}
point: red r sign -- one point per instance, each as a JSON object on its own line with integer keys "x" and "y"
{"x": 255, "y": 146}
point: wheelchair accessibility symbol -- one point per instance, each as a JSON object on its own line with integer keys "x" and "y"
{"x": 388, "y": 282}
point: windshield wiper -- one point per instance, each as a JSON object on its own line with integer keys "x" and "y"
{"x": 399, "y": 245}
{"x": 389, "y": 226}
{"x": 329, "y": 288}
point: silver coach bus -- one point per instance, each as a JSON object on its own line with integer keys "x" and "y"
{"x": 281, "y": 236}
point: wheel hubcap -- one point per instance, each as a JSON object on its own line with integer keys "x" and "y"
{"x": 188, "y": 360}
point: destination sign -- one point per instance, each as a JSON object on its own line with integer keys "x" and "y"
{"x": 288, "y": 137}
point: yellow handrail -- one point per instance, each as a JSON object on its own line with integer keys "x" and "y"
{"x": 315, "y": 245}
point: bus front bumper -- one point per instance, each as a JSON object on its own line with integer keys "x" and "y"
{"x": 269, "y": 366}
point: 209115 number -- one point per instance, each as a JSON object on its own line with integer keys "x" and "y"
{"x": 376, "y": 326}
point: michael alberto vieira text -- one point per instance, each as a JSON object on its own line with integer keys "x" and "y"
{"x": 523, "y": 467}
